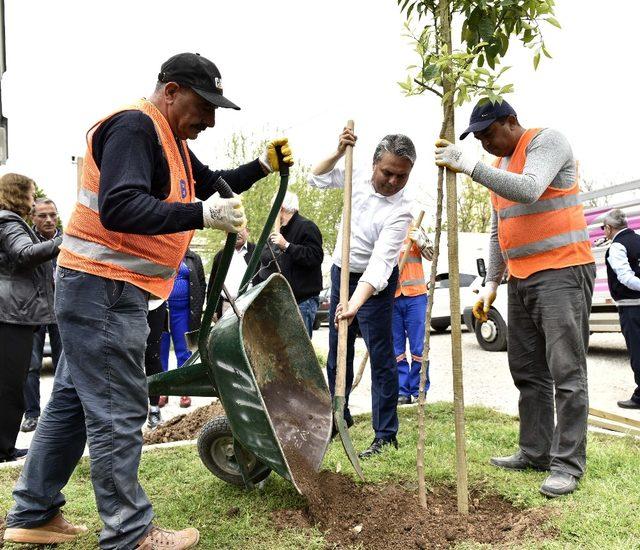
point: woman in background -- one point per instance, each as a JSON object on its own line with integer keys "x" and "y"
{"x": 26, "y": 301}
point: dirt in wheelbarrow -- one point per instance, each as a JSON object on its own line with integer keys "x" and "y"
{"x": 184, "y": 426}
{"x": 388, "y": 516}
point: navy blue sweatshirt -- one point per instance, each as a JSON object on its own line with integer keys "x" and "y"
{"x": 134, "y": 179}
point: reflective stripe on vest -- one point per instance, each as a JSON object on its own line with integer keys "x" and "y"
{"x": 102, "y": 253}
{"x": 551, "y": 233}
{"x": 413, "y": 260}
{"x": 88, "y": 198}
{"x": 411, "y": 282}
{"x": 539, "y": 206}
{"x": 548, "y": 244}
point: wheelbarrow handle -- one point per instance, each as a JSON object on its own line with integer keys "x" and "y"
{"x": 225, "y": 191}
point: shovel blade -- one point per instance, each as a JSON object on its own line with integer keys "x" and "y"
{"x": 343, "y": 430}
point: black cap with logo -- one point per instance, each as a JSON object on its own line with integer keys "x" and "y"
{"x": 199, "y": 74}
{"x": 485, "y": 115}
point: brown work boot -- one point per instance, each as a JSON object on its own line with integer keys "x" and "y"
{"x": 55, "y": 531}
{"x": 162, "y": 539}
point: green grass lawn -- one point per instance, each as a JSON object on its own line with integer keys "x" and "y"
{"x": 604, "y": 513}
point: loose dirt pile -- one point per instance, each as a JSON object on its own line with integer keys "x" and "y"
{"x": 184, "y": 426}
{"x": 380, "y": 517}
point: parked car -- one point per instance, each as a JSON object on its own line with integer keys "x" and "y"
{"x": 440, "y": 314}
{"x": 322, "y": 315}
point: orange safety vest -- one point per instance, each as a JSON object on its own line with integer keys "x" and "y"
{"x": 411, "y": 281}
{"x": 149, "y": 262}
{"x": 551, "y": 233}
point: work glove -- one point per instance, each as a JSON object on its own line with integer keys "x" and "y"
{"x": 483, "y": 305}
{"x": 225, "y": 214}
{"x": 454, "y": 158}
{"x": 418, "y": 236}
{"x": 269, "y": 159}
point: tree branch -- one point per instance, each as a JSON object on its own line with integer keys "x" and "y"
{"x": 426, "y": 87}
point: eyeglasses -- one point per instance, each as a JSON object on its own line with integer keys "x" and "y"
{"x": 45, "y": 216}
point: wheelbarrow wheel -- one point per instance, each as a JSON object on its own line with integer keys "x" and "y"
{"x": 215, "y": 447}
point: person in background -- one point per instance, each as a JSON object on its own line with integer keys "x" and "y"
{"x": 623, "y": 274}
{"x": 409, "y": 309}
{"x": 45, "y": 226}
{"x": 239, "y": 261}
{"x": 297, "y": 249}
{"x": 380, "y": 219}
{"x": 157, "y": 321}
{"x": 26, "y": 301}
{"x": 185, "y": 312}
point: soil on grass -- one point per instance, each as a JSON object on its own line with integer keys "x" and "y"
{"x": 184, "y": 426}
{"x": 380, "y": 517}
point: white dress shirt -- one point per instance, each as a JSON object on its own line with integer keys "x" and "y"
{"x": 236, "y": 271}
{"x": 379, "y": 225}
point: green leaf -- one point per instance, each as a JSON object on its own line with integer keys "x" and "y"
{"x": 430, "y": 72}
{"x": 553, "y": 21}
{"x": 536, "y": 60}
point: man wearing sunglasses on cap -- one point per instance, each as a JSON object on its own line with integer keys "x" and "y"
{"x": 538, "y": 234}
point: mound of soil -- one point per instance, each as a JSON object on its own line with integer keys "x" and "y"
{"x": 184, "y": 426}
{"x": 380, "y": 517}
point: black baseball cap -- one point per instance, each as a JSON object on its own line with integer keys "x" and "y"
{"x": 199, "y": 74}
{"x": 485, "y": 114}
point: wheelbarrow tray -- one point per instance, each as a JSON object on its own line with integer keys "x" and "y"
{"x": 269, "y": 380}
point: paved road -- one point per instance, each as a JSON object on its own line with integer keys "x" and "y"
{"x": 486, "y": 377}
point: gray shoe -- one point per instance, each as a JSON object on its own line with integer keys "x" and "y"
{"x": 154, "y": 419}
{"x": 559, "y": 484}
{"x": 516, "y": 462}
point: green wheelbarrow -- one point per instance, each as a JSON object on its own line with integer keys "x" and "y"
{"x": 259, "y": 361}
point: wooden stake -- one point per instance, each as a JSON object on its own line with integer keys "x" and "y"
{"x": 454, "y": 273}
{"x": 613, "y": 427}
{"x": 614, "y": 417}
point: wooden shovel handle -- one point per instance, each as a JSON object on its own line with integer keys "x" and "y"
{"x": 343, "y": 326}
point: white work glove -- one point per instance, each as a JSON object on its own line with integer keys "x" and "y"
{"x": 269, "y": 159}
{"x": 483, "y": 305}
{"x": 418, "y": 236}
{"x": 225, "y": 214}
{"x": 454, "y": 158}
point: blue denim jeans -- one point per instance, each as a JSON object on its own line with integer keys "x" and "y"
{"x": 32, "y": 385}
{"x": 100, "y": 396}
{"x": 408, "y": 322}
{"x": 178, "y": 325}
{"x": 308, "y": 309}
{"x": 374, "y": 320}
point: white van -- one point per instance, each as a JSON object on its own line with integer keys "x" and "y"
{"x": 492, "y": 335}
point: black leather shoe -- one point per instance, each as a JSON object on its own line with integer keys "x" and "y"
{"x": 376, "y": 447}
{"x": 629, "y": 404}
{"x": 404, "y": 400}
{"x": 516, "y": 462}
{"x": 334, "y": 429}
{"x": 559, "y": 484}
{"x": 29, "y": 424}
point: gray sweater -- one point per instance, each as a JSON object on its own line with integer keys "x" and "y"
{"x": 549, "y": 162}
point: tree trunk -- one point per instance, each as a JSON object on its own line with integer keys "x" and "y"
{"x": 454, "y": 273}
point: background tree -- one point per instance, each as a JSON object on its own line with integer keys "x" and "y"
{"x": 457, "y": 75}
{"x": 474, "y": 207}
{"x": 323, "y": 207}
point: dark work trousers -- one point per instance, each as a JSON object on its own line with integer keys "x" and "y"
{"x": 32, "y": 386}
{"x": 630, "y": 324}
{"x": 15, "y": 350}
{"x": 100, "y": 396}
{"x": 548, "y": 338}
{"x": 156, "y": 318}
{"x": 374, "y": 319}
